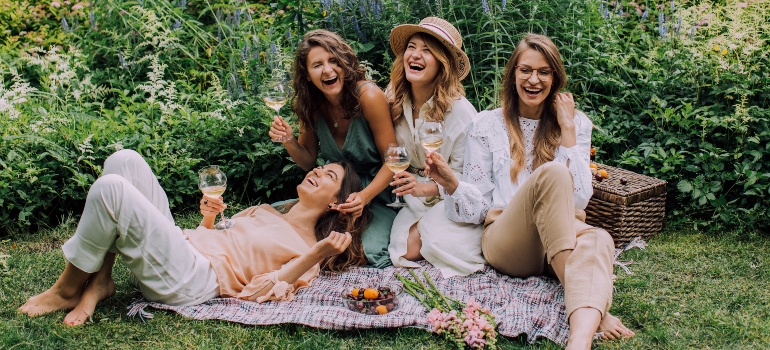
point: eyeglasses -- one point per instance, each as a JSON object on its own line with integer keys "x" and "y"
{"x": 543, "y": 74}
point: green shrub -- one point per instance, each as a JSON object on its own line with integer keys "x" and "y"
{"x": 175, "y": 83}
{"x": 677, "y": 91}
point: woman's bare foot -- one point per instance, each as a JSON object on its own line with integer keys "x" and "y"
{"x": 49, "y": 301}
{"x": 96, "y": 291}
{"x": 612, "y": 329}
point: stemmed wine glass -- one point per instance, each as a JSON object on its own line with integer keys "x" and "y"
{"x": 275, "y": 93}
{"x": 213, "y": 182}
{"x": 396, "y": 159}
{"x": 431, "y": 137}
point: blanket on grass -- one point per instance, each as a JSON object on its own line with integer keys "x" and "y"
{"x": 532, "y": 306}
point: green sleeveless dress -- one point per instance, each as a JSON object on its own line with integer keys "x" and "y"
{"x": 361, "y": 151}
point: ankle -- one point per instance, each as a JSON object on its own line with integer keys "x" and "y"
{"x": 66, "y": 292}
{"x": 579, "y": 343}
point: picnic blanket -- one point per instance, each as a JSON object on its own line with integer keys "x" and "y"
{"x": 532, "y": 306}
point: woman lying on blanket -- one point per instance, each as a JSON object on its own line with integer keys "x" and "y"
{"x": 526, "y": 177}
{"x": 342, "y": 116}
{"x": 425, "y": 86}
{"x": 264, "y": 256}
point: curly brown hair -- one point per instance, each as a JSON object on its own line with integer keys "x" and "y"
{"x": 548, "y": 131}
{"x": 307, "y": 97}
{"x": 447, "y": 88}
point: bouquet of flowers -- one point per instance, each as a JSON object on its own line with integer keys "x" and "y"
{"x": 465, "y": 324}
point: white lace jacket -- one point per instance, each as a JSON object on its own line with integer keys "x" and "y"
{"x": 486, "y": 181}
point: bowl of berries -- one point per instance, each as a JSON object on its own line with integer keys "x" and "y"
{"x": 371, "y": 300}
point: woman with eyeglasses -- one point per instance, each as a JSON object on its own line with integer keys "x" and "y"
{"x": 526, "y": 178}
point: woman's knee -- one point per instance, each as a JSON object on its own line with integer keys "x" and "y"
{"x": 604, "y": 239}
{"x": 106, "y": 184}
{"x": 600, "y": 239}
{"x": 121, "y": 157}
{"x": 554, "y": 170}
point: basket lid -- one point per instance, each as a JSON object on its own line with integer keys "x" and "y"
{"x": 638, "y": 187}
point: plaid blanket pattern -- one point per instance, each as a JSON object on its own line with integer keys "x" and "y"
{"x": 532, "y": 306}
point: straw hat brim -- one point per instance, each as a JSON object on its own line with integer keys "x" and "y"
{"x": 400, "y": 35}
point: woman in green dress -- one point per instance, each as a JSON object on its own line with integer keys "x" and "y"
{"x": 345, "y": 117}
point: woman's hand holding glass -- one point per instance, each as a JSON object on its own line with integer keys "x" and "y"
{"x": 440, "y": 171}
{"x": 281, "y": 130}
{"x": 213, "y": 182}
{"x": 212, "y": 206}
{"x": 431, "y": 137}
{"x": 406, "y": 183}
{"x": 276, "y": 93}
{"x": 396, "y": 158}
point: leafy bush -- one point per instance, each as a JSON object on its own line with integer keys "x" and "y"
{"x": 677, "y": 90}
{"x": 175, "y": 82}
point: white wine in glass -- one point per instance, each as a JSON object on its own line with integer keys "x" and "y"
{"x": 214, "y": 191}
{"x": 276, "y": 93}
{"x": 275, "y": 102}
{"x": 397, "y": 160}
{"x": 431, "y": 137}
{"x": 213, "y": 183}
{"x": 432, "y": 143}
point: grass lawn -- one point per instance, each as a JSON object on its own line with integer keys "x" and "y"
{"x": 688, "y": 290}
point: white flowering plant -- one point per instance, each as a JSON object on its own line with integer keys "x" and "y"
{"x": 465, "y": 324}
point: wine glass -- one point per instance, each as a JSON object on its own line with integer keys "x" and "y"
{"x": 213, "y": 183}
{"x": 431, "y": 137}
{"x": 396, "y": 159}
{"x": 275, "y": 93}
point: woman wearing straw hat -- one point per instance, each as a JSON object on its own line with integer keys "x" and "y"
{"x": 527, "y": 180}
{"x": 425, "y": 86}
{"x": 342, "y": 116}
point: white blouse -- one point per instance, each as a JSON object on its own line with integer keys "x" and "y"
{"x": 456, "y": 122}
{"x": 486, "y": 181}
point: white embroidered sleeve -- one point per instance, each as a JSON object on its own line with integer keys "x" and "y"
{"x": 473, "y": 196}
{"x": 579, "y": 158}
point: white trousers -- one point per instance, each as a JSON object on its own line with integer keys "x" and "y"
{"x": 127, "y": 213}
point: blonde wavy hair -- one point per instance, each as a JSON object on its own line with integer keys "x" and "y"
{"x": 447, "y": 87}
{"x": 547, "y": 135}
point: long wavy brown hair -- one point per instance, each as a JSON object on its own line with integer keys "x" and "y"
{"x": 547, "y": 135}
{"x": 447, "y": 87}
{"x": 333, "y": 220}
{"x": 307, "y": 98}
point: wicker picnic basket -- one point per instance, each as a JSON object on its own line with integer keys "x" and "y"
{"x": 635, "y": 209}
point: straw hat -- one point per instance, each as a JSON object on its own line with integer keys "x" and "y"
{"x": 438, "y": 28}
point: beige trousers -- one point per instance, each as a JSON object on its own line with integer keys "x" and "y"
{"x": 538, "y": 223}
{"x": 127, "y": 213}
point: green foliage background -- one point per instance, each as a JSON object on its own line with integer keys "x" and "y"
{"x": 677, "y": 90}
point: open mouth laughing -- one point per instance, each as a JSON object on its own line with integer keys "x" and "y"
{"x": 416, "y": 66}
{"x": 531, "y": 91}
{"x": 330, "y": 81}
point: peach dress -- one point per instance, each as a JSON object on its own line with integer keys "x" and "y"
{"x": 248, "y": 257}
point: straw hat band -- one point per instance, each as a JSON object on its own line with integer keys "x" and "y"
{"x": 441, "y": 32}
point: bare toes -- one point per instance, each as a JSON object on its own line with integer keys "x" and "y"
{"x": 76, "y": 317}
